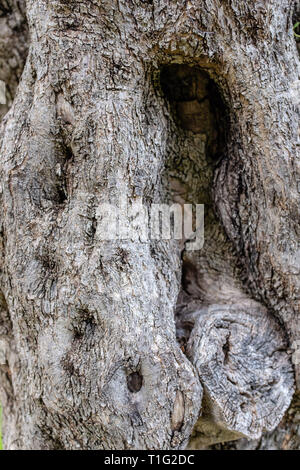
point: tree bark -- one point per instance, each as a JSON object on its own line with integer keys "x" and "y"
{"x": 13, "y": 47}
{"x": 137, "y": 344}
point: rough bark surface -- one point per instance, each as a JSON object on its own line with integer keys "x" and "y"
{"x": 162, "y": 101}
{"x": 285, "y": 437}
{"x": 13, "y": 47}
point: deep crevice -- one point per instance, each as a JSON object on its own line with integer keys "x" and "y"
{"x": 196, "y": 105}
{"x": 134, "y": 382}
{"x": 197, "y": 143}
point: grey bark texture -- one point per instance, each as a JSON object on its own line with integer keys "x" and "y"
{"x": 13, "y": 47}
{"x": 139, "y": 344}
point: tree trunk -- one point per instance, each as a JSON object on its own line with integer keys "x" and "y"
{"x": 13, "y": 48}
{"x": 139, "y": 343}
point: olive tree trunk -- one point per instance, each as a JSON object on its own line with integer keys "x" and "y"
{"x": 136, "y": 343}
{"x": 13, "y": 49}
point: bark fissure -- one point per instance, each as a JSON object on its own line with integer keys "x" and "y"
{"x": 214, "y": 288}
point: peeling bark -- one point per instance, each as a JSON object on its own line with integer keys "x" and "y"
{"x": 160, "y": 101}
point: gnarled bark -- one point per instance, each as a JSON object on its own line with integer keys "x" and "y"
{"x": 159, "y": 101}
{"x": 13, "y": 47}
{"x": 247, "y": 376}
